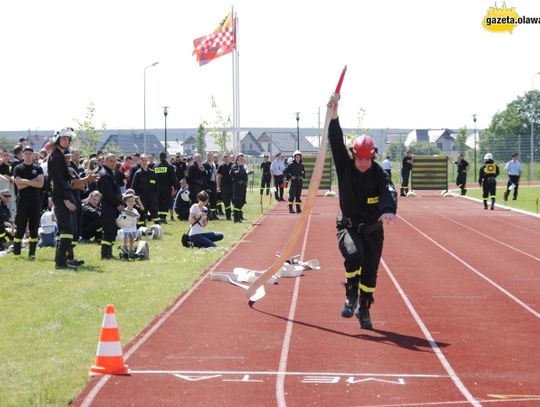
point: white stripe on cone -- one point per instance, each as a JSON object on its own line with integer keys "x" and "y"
{"x": 109, "y": 349}
{"x": 109, "y": 321}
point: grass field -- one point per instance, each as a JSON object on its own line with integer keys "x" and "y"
{"x": 528, "y": 197}
{"x": 50, "y": 320}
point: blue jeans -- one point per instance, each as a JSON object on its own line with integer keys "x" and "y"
{"x": 206, "y": 239}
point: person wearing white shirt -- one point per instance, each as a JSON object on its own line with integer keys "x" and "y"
{"x": 513, "y": 170}
{"x": 387, "y": 166}
{"x": 276, "y": 169}
{"x": 198, "y": 219}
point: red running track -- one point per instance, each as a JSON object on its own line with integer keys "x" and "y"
{"x": 456, "y": 318}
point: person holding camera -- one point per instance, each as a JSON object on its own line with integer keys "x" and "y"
{"x": 198, "y": 219}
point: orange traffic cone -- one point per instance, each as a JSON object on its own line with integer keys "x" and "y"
{"x": 109, "y": 356}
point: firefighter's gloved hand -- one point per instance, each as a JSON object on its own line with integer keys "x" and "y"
{"x": 387, "y": 218}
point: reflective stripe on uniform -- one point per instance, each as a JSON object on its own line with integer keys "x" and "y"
{"x": 367, "y": 289}
{"x": 373, "y": 200}
{"x": 66, "y": 236}
{"x": 354, "y": 273}
{"x": 106, "y": 243}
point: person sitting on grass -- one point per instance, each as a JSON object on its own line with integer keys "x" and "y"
{"x": 198, "y": 219}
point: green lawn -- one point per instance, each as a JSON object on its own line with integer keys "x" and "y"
{"x": 50, "y": 320}
{"x": 528, "y": 197}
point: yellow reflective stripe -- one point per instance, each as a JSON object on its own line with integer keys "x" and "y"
{"x": 106, "y": 243}
{"x": 163, "y": 213}
{"x": 367, "y": 289}
{"x": 99, "y": 229}
{"x": 74, "y": 243}
{"x": 160, "y": 170}
{"x": 298, "y": 203}
{"x": 33, "y": 239}
{"x": 66, "y": 236}
{"x": 354, "y": 273}
{"x": 17, "y": 240}
{"x": 2, "y": 235}
{"x": 152, "y": 181}
{"x": 373, "y": 200}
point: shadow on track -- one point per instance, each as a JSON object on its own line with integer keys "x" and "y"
{"x": 376, "y": 335}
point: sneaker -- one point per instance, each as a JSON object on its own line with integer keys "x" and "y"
{"x": 363, "y": 314}
{"x": 349, "y": 308}
{"x": 65, "y": 266}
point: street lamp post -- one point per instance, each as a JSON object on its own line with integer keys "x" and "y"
{"x": 144, "y": 102}
{"x": 298, "y": 131}
{"x": 531, "y": 165}
{"x": 165, "y": 113}
{"x": 475, "y": 145}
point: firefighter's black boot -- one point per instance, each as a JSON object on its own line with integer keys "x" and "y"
{"x": 363, "y": 313}
{"x": 32, "y": 248}
{"x": 485, "y": 203}
{"x": 228, "y": 214}
{"x": 62, "y": 248}
{"x": 402, "y": 192}
{"x": 236, "y": 215}
{"x": 492, "y": 203}
{"x": 351, "y": 298}
{"x": 17, "y": 243}
{"x": 291, "y": 210}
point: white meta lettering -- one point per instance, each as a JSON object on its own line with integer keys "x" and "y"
{"x": 196, "y": 378}
{"x": 354, "y": 380}
{"x": 321, "y": 379}
{"x": 245, "y": 379}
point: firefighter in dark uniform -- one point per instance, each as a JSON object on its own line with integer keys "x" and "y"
{"x": 111, "y": 205}
{"x": 488, "y": 180}
{"x": 367, "y": 198}
{"x": 145, "y": 185}
{"x": 406, "y": 167}
{"x": 91, "y": 218}
{"x": 167, "y": 186}
{"x": 196, "y": 178}
{"x": 65, "y": 209}
{"x": 211, "y": 185}
{"x": 5, "y": 219}
{"x": 266, "y": 175}
{"x": 462, "y": 167}
{"x": 224, "y": 184}
{"x": 239, "y": 179}
{"x": 29, "y": 180}
{"x": 295, "y": 173}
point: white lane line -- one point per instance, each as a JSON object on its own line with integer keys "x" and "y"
{"x": 280, "y": 380}
{"x": 103, "y": 380}
{"x": 536, "y": 232}
{"x": 508, "y": 208}
{"x": 284, "y": 373}
{"x": 488, "y": 237}
{"x": 452, "y": 403}
{"x": 493, "y": 283}
{"x": 444, "y": 362}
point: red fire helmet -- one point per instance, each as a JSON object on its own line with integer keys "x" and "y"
{"x": 364, "y": 147}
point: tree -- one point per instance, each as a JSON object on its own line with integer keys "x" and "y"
{"x": 461, "y": 140}
{"x": 395, "y": 150}
{"x": 424, "y": 148}
{"x": 89, "y": 136}
{"x": 220, "y": 126}
{"x": 510, "y": 129}
{"x": 199, "y": 143}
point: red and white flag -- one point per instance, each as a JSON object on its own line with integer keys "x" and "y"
{"x": 220, "y": 42}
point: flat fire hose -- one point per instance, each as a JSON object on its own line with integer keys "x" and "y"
{"x": 299, "y": 227}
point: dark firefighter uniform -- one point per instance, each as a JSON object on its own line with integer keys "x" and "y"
{"x": 211, "y": 187}
{"x": 28, "y": 208}
{"x": 166, "y": 184}
{"x": 91, "y": 222}
{"x": 295, "y": 173}
{"x": 111, "y": 198}
{"x": 266, "y": 177}
{"x": 145, "y": 185}
{"x": 488, "y": 181}
{"x": 5, "y": 216}
{"x": 239, "y": 179}
{"x": 76, "y": 173}
{"x": 196, "y": 178}
{"x": 363, "y": 198}
{"x": 60, "y": 184}
{"x": 461, "y": 178}
{"x": 225, "y": 185}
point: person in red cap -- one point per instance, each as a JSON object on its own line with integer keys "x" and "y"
{"x": 367, "y": 198}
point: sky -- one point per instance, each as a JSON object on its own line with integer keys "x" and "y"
{"x": 411, "y": 64}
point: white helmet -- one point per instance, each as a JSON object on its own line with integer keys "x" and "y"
{"x": 297, "y": 152}
{"x": 488, "y": 156}
{"x": 157, "y": 232}
{"x": 65, "y": 132}
{"x": 145, "y": 233}
{"x": 123, "y": 220}
{"x": 185, "y": 195}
